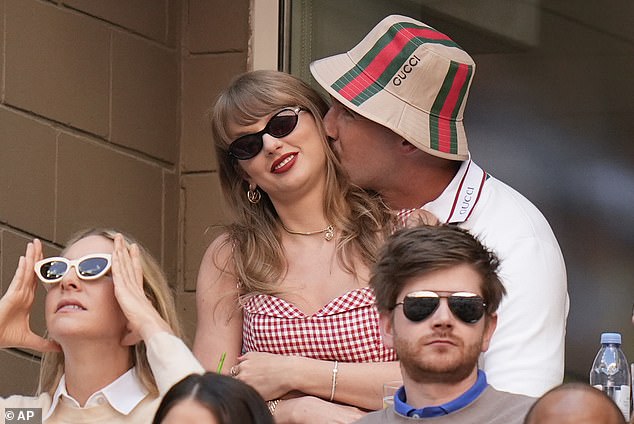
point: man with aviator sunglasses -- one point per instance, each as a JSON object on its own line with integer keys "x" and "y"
{"x": 437, "y": 292}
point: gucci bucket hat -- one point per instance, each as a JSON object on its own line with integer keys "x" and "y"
{"x": 408, "y": 77}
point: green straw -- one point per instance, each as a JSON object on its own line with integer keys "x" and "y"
{"x": 221, "y": 363}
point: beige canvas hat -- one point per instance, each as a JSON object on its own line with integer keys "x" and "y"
{"x": 408, "y": 77}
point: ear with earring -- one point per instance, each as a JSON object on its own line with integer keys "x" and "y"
{"x": 253, "y": 194}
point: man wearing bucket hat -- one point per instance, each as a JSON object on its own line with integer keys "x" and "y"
{"x": 398, "y": 99}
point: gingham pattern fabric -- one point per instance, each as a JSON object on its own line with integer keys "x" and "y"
{"x": 345, "y": 330}
{"x": 403, "y": 215}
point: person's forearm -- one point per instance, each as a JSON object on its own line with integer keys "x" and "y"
{"x": 358, "y": 384}
{"x": 170, "y": 360}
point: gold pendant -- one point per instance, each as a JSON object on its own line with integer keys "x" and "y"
{"x": 329, "y": 233}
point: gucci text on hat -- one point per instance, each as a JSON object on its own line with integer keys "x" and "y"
{"x": 409, "y": 78}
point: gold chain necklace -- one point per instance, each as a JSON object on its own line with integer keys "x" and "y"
{"x": 329, "y": 232}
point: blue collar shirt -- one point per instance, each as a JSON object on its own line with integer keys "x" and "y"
{"x": 402, "y": 408}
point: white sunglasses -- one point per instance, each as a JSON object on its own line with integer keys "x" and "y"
{"x": 89, "y": 267}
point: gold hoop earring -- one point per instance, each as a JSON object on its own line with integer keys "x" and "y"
{"x": 253, "y": 195}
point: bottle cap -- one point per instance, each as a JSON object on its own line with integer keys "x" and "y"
{"x": 614, "y": 338}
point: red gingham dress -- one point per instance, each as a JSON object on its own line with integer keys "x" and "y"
{"x": 345, "y": 330}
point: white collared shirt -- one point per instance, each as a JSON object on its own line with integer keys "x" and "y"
{"x": 526, "y": 353}
{"x": 123, "y": 394}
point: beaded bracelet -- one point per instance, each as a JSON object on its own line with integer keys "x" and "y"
{"x": 334, "y": 381}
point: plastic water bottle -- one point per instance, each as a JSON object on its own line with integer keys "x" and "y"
{"x": 610, "y": 372}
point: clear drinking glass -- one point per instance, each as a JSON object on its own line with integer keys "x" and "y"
{"x": 389, "y": 390}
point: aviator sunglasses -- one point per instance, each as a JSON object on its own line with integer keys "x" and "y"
{"x": 280, "y": 125}
{"x": 89, "y": 267}
{"x": 420, "y": 305}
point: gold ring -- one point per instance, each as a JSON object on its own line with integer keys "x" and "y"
{"x": 233, "y": 371}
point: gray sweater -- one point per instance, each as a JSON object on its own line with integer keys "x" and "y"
{"x": 491, "y": 407}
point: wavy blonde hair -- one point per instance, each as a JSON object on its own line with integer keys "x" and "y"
{"x": 157, "y": 291}
{"x": 361, "y": 219}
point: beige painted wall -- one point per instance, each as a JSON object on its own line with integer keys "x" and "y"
{"x": 102, "y": 110}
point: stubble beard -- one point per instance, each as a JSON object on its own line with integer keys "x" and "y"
{"x": 428, "y": 364}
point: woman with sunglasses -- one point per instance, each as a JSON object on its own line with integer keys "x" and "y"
{"x": 284, "y": 290}
{"x": 113, "y": 343}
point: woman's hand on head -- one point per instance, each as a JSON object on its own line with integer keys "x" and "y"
{"x": 127, "y": 276}
{"x": 16, "y": 304}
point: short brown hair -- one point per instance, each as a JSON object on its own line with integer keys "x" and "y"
{"x": 417, "y": 251}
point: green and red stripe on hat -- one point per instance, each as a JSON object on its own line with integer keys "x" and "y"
{"x": 388, "y": 55}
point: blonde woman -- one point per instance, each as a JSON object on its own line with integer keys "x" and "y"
{"x": 284, "y": 291}
{"x": 113, "y": 343}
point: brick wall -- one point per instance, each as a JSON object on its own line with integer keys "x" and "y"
{"x": 102, "y": 110}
